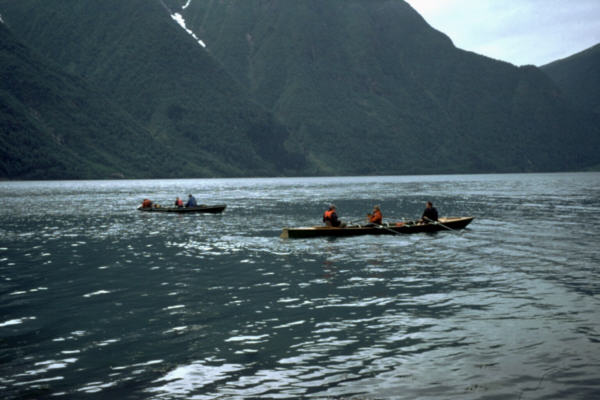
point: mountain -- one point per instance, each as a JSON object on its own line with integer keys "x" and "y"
{"x": 578, "y": 76}
{"x": 135, "y": 54}
{"x": 368, "y": 87}
{"x": 53, "y": 125}
{"x": 309, "y": 87}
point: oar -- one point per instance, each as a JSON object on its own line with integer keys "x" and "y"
{"x": 439, "y": 223}
{"x": 386, "y": 228}
{"x": 354, "y": 222}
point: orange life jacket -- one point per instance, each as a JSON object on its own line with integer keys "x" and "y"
{"x": 146, "y": 203}
{"x": 376, "y": 217}
{"x": 179, "y": 203}
{"x": 328, "y": 214}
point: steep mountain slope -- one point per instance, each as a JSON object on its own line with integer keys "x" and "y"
{"x": 135, "y": 53}
{"x": 368, "y": 87}
{"x": 579, "y": 77}
{"x": 54, "y": 126}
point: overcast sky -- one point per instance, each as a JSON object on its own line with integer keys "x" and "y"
{"x": 518, "y": 31}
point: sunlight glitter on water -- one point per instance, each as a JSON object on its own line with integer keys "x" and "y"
{"x": 222, "y": 307}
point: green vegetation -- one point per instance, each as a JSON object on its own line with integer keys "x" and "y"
{"x": 578, "y": 77}
{"x": 190, "y": 108}
{"x": 338, "y": 87}
{"x": 368, "y": 87}
{"x": 54, "y": 126}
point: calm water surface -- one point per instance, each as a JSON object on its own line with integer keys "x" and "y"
{"x": 98, "y": 300}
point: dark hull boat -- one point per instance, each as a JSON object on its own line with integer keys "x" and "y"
{"x": 452, "y": 223}
{"x": 184, "y": 210}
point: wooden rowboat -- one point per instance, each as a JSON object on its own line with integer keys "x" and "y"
{"x": 199, "y": 209}
{"x": 450, "y": 223}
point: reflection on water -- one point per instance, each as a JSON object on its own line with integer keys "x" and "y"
{"x": 99, "y": 299}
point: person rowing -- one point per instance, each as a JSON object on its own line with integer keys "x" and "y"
{"x": 146, "y": 203}
{"x": 330, "y": 218}
{"x": 430, "y": 214}
{"x": 191, "y": 201}
{"x": 375, "y": 218}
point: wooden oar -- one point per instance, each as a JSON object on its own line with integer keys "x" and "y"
{"x": 354, "y": 222}
{"x": 386, "y": 228}
{"x": 439, "y": 223}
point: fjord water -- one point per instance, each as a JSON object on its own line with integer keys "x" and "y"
{"x": 99, "y": 300}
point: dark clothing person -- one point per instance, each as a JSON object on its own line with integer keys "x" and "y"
{"x": 430, "y": 213}
{"x": 330, "y": 218}
{"x": 191, "y": 201}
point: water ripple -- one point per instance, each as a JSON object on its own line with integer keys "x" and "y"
{"x": 99, "y": 300}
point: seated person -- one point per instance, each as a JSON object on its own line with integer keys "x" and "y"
{"x": 331, "y": 219}
{"x": 430, "y": 214}
{"x": 191, "y": 201}
{"x": 178, "y": 202}
{"x": 376, "y": 217}
{"x": 146, "y": 203}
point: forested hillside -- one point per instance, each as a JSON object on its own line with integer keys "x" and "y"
{"x": 135, "y": 54}
{"x": 312, "y": 87}
{"x": 53, "y": 125}
{"x": 370, "y": 87}
{"x": 579, "y": 77}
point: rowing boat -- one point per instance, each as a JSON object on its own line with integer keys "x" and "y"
{"x": 182, "y": 210}
{"x": 450, "y": 223}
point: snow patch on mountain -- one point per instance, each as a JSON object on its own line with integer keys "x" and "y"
{"x": 179, "y": 19}
{"x": 186, "y": 5}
